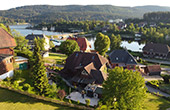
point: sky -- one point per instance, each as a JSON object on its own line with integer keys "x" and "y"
{"x": 7, "y": 4}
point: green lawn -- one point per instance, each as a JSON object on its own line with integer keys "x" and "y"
{"x": 13, "y": 101}
{"x": 153, "y": 102}
{"x": 55, "y": 58}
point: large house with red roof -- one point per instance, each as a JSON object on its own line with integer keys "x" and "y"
{"x": 7, "y": 43}
{"x": 82, "y": 42}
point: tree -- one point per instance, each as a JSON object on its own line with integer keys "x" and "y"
{"x": 22, "y": 43}
{"x": 115, "y": 42}
{"x": 40, "y": 80}
{"x": 125, "y": 89}
{"x": 102, "y": 43}
{"x": 61, "y": 94}
{"x": 68, "y": 47}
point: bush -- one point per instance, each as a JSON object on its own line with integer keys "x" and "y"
{"x": 87, "y": 102}
{"x": 17, "y": 74}
{"x": 166, "y": 78}
{"x": 53, "y": 91}
{"x": 78, "y": 102}
{"x": 154, "y": 83}
{"x": 61, "y": 94}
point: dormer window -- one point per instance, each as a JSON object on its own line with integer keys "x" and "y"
{"x": 131, "y": 60}
{"x": 117, "y": 58}
{"x": 84, "y": 72}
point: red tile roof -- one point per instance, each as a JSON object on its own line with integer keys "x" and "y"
{"x": 82, "y": 42}
{"x": 154, "y": 68}
{"x": 6, "y": 40}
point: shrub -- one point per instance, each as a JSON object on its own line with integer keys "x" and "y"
{"x": 61, "y": 94}
{"x": 166, "y": 78}
{"x": 53, "y": 91}
{"x": 154, "y": 83}
{"x": 78, "y": 102}
{"x": 87, "y": 102}
{"x": 69, "y": 101}
{"x": 17, "y": 74}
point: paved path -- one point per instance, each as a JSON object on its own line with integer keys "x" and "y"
{"x": 77, "y": 96}
{"x": 157, "y": 61}
{"x": 153, "y": 90}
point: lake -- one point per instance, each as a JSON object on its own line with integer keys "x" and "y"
{"x": 133, "y": 46}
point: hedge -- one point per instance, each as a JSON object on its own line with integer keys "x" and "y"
{"x": 47, "y": 99}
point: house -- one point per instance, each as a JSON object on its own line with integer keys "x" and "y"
{"x": 82, "y": 42}
{"x": 156, "y": 50}
{"x": 83, "y": 68}
{"x": 7, "y": 43}
{"x": 22, "y": 62}
{"x": 31, "y": 38}
{"x": 152, "y": 70}
{"x": 122, "y": 58}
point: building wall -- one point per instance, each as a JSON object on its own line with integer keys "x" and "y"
{"x": 6, "y": 51}
{"x": 130, "y": 67}
{"x": 7, "y": 74}
{"x": 47, "y": 44}
{"x": 6, "y": 65}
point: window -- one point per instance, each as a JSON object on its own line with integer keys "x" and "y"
{"x": 84, "y": 72}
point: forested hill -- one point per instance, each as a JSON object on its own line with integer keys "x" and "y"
{"x": 48, "y": 13}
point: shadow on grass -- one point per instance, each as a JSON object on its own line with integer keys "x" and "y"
{"x": 56, "y": 55}
{"x": 8, "y": 97}
{"x": 161, "y": 103}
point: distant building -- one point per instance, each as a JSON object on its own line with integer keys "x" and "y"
{"x": 83, "y": 43}
{"x": 150, "y": 70}
{"x": 156, "y": 50}
{"x": 31, "y": 38}
{"x": 7, "y": 43}
{"x": 122, "y": 58}
{"x": 44, "y": 28}
{"x": 52, "y": 28}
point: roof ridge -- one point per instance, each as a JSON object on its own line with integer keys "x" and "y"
{"x": 6, "y": 32}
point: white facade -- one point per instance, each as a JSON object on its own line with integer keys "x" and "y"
{"x": 47, "y": 43}
{"x": 8, "y": 74}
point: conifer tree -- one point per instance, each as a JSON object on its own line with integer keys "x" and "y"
{"x": 39, "y": 71}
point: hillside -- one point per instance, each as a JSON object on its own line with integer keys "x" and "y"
{"x": 48, "y": 13}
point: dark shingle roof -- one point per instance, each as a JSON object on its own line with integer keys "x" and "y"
{"x": 84, "y": 59}
{"x": 122, "y": 56}
{"x": 33, "y": 36}
{"x": 157, "y": 48}
{"x": 6, "y": 40}
{"x": 91, "y": 62}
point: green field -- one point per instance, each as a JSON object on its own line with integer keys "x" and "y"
{"x": 13, "y": 101}
{"x": 55, "y": 58}
{"x": 153, "y": 102}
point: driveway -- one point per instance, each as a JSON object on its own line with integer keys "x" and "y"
{"x": 75, "y": 96}
{"x": 153, "y": 90}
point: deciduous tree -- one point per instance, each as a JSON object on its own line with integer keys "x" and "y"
{"x": 102, "y": 43}
{"x": 68, "y": 47}
{"x": 124, "y": 89}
